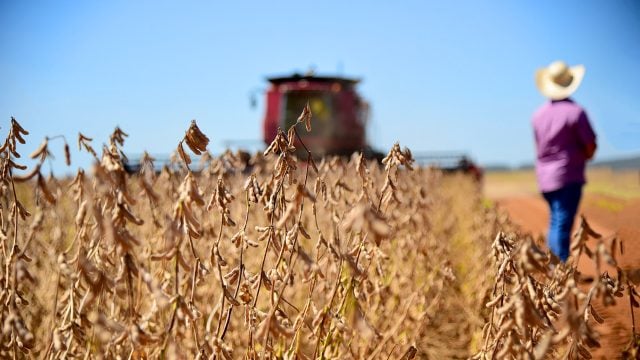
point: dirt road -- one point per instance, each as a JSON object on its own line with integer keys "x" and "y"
{"x": 607, "y": 216}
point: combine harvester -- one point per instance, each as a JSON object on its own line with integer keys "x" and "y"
{"x": 340, "y": 119}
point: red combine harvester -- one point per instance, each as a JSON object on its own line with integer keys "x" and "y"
{"x": 340, "y": 117}
{"x": 339, "y": 113}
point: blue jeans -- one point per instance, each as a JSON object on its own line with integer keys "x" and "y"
{"x": 563, "y": 204}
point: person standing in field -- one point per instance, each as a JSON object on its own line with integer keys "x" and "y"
{"x": 564, "y": 141}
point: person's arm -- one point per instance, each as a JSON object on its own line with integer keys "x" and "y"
{"x": 586, "y": 135}
{"x": 590, "y": 150}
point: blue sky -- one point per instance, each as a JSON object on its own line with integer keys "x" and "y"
{"x": 446, "y": 75}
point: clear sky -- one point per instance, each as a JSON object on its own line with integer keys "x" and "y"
{"x": 440, "y": 75}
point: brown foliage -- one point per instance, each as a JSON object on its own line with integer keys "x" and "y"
{"x": 273, "y": 257}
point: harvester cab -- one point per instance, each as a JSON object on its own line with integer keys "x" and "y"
{"x": 340, "y": 114}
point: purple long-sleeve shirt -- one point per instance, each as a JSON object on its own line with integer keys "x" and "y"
{"x": 562, "y": 134}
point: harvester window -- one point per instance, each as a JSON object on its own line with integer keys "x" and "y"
{"x": 319, "y": 109}
{"x": 321, "y": 105}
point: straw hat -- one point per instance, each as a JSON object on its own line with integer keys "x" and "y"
{"x": 558, "y": 81}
